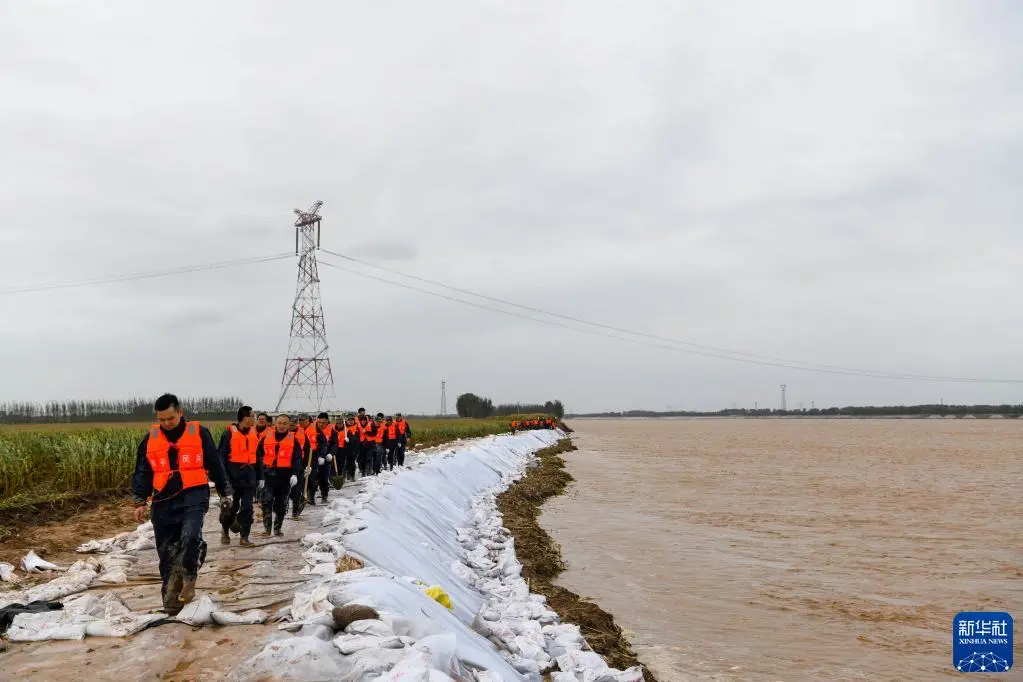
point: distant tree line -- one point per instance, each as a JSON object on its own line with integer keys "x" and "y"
{"x": 134, "y": 409}
{"x": 474, "y": 406}
{"x": 848, "y": 411}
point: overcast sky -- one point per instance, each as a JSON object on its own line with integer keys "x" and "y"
{"x": 825, "y": 182}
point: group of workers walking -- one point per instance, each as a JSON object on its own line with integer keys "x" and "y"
{"x": 533, "y": 424}
{"x": 279, "y": 462}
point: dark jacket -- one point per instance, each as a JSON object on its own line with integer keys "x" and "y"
{"x": 142, "y": 479}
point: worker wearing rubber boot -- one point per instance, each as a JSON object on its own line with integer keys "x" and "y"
{"x": 238, "y": 451}
{"x": 297, "y": 496}
{"x": 390, "y": 443}
{"x": 279, "y": 464}
{"x": 174, "y": 463}
{"x": 325, "y": 462}
{"x": 404, "y": 436}
{"x": 352, "y": 448}
{"x": 378, "y": 443}
{"x": 367, "y": 431}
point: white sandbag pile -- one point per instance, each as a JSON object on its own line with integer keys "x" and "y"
{"x": 82, "y": 615}
{"x": 133, "y": 541}
{"x": 432, "y": 526}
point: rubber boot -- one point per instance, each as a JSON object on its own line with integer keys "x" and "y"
{"x": 225, "y": 538}
{"x": 171, "y": 604}
{"x": 266, "y": 524}
{"x": 187, "y": 593}
{"x": 244, "y": 542}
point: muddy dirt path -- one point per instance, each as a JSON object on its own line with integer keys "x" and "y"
{"x": 265, "y": 576}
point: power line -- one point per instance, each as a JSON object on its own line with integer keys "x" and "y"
{"x": 145, "y": 275}
{"x": 752, "y": 361}
{"x": 712, "y": 351}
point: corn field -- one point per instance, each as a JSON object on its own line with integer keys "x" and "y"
{"x": 43, "y": 463}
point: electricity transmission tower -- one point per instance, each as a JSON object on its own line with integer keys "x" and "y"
{"x": 783, "y": 386}
{"x": 308, "y": 380}
{"x": 443, "y": 398}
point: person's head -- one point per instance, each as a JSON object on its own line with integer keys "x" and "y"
{"x": 362, "y": 411}
{"x": 398, "y": 417}
{"x": 322, "y": 419}
{"x": 245, "y": 418}
{"x": 380, "y": 416}
{"x": 351, "y": 420}
{"x": 390, "y": 420}
{"x": 168, "y": 411}
{"x": 283, "y": 423}
{"x": 303, "y": 420}
{"x": 262, "y": 420}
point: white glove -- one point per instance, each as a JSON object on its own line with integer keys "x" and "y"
{"x": 329, "y": 457}
{"x": 320, "y": 461}
{"x": 294, "y": 481}
{"x": 308, "y": 470}
{"x": 259, "y": 486}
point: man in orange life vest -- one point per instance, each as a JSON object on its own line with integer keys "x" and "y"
{"x": 278, "y": 466}
{"x": 238, "y": 450}
{"x": 352, "y": 447}
{"x": 298, "y": 495}
{"x": 174, "y": 462}
{"x": 404, "y": 435}
{"x": 324, "y": 456}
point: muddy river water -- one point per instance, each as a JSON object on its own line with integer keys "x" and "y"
{"x": 794, "y": 549}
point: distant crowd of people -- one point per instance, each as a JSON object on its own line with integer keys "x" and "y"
{"x": 533, "y": 424}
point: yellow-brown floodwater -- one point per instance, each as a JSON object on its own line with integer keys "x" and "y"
{"x": 794, "y": 549}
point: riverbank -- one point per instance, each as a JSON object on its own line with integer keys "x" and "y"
{"x": 431, "y": 525}
{"x": 542, "y": 561}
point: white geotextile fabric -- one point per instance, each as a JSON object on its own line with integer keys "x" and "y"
{"x": 433, "y": 525}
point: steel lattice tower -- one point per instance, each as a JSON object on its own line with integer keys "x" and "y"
{"x": 308, "y": 380}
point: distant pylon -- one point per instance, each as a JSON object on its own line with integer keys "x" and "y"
{"x": 783, "y": 387}
{"x": 308, "y": 380}
{"x": 443, "y": 398}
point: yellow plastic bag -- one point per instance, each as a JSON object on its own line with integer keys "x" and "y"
{"x": 440, "y": 596}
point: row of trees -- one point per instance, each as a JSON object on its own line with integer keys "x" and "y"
{"x": 848, "y": 411}
{"x": 474, "y": 406}
{"x": 134, "y": 409}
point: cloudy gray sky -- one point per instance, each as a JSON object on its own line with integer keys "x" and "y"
{"x": 825, "y": 182}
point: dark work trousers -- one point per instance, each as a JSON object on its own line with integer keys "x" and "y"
{"x": 241, "y": 508}
{"x": 389, "y": 454}
{"x": 310, "y": 483}
{"x": 366, "y": 459}
{"x": 399, "y": 451}
{"x": 323, "y": 478}
{"x": 177, "y": 525}
{"x": 378, "y": 458}
{"x": 350, "y": 455}
{"x": 296, "y": 497}
{"x": 276, "y": 491}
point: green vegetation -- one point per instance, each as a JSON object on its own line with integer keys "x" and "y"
{"x": 48, "y": 463}
{"x": 472, "y": 405}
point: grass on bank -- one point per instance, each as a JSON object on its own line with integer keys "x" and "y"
{"x": 541, "y": 559}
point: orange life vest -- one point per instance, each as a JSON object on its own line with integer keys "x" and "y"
{"x": 379, "y": 437}
{"x": 310, "y": 434}
{"x": 353, "y": 432}
{"x": 243, "y": 445}
{"x": 328, "y": 431}
{"x": 402, "y": 426}
{"x": 190, "y": 460}
{"x": 364, "y": 427}
{"x": 392, "y": 431}
{"x": 277, "y": 454}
